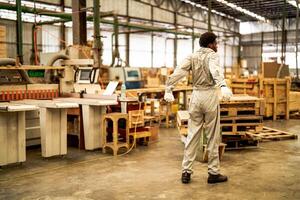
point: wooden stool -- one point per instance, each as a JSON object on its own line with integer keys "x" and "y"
{"x": 115, "y": 144}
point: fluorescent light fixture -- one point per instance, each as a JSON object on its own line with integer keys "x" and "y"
{"x": 213, "y": 11}
{"x": 240, "y": 9}
{"x": 293, "y": 2}
{"x": 231, "y": 5}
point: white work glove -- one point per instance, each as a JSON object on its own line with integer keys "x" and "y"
{"x": 168, "y": 97}
{"x": 226, "y": 93}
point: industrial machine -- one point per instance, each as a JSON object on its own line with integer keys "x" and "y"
{"x": 81, "y": 76}
{"x": 128, "y": 75}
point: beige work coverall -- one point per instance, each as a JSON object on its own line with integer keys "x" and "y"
{"x": 204, "y": 108}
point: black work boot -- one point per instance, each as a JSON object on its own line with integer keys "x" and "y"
{"x": 186, "y": 177}
{"x": 216, "y": 178}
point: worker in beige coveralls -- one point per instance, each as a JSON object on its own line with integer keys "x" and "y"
{"x": 204, "y": 108}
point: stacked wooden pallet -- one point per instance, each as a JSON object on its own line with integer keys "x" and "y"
{"x": 274, "y": 91}
{"x": 241, "y": 114}
{"x": 3, "y": 51}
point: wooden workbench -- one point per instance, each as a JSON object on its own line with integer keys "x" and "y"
{"x": 92, "y": 113}
{"x": 53, "y": 125}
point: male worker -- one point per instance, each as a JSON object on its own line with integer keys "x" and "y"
{"x": 204, "y": 108}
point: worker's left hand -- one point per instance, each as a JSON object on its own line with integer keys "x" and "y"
{"x": 169, "y": 97}
{"x": 226, "y": 93}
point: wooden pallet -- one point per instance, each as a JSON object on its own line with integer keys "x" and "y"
{"x": 241, "y": 105}
{"x": 239, "y": 125}
{"x": 274, "y": 91}
{"x": 235, "y": 142}
{"x": 268, "y": 134}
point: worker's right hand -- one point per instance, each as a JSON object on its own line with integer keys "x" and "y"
{"x": 226, "y": 93}
{"x": 169, "y": 97}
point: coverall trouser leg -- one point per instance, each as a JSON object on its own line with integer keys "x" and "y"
{"x": 204, "y": 113}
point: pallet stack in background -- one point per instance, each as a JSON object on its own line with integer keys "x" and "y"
{"x": 275, "y": 91}
{"x": 3, "y": 51}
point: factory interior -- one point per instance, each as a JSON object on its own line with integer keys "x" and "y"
{"x": 83, "y": 107}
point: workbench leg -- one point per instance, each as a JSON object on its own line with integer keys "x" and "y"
{"x": 12, "y": 137}
{"x": 53, "y": 124}
{"x": 92, "y": 125}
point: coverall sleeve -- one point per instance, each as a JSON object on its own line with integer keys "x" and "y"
{"x": 179, "y": 73}
{"x": 216, "y": 70}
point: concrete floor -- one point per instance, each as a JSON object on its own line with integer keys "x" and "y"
{"x": 270, "y": 172}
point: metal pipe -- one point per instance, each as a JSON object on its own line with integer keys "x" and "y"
{"x": 127, "y": 36}
{"x": 175, "y": 41}
{"x": 297, "y": 27}
{"x": 19, "y": 31}
{"x": 115, "y": 42}
{"x": 97, "y": 39}
{"x": 283, "y": 41}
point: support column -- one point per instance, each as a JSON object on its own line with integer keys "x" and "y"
{"x": 79, "y": 22}
{"x": 152, "y": 40}
{"x": 297, "y": 27}
{"x": 193, "y": 35}
{"x": 19, "y": 32}
{"x": 261, "y": 56}
{"x": 209, "y": 16}
{"x": 283, "y": 35}
{"x": 97, "y": 39}
{"x": 127, "y": 36}
{"x": 62, "y": 27}
{"x": 175, "y": 41}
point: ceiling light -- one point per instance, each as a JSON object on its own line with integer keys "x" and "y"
{"x": 240, "y": 9}
{"x": 293, "y": 2}
{"x": 213, "y": 11}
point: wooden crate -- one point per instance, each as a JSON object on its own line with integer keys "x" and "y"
{"x": 276, "y": 94}
{"x": 294, "y": 101}
{"x": 3, "y": 49}
{"x": 274, "y": 91}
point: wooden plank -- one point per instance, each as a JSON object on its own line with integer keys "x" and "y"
{"x": 46, "y": 127}
{"x": 78, "y": 62}
{"x": 31, "y": 67}
{"x": 12, "y": 135}
{"x": 3, "y": 139}
{"x": 92, "y": 122}
{"x": 21, "y": 140}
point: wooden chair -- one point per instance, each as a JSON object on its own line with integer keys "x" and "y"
{"x": 137, "y": 127}
{"x": 165, "y": 112}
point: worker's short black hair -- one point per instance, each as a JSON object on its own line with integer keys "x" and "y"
{"x": 207, "y": 38}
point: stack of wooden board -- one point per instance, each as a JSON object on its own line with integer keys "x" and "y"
{"x": 275, "y": 91}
